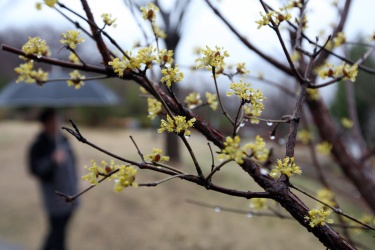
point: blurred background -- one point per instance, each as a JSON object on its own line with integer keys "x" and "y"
{"x": 160, "y": 218}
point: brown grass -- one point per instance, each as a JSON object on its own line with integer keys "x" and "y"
{"x": 143, "y": 218}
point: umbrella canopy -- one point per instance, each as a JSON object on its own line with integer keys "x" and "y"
{"x": 57, "y": 94}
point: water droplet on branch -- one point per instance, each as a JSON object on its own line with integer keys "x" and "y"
{"x": 272, "y": 137}
{"x": 217, "y": 209}
{"x": 269, "y": 123}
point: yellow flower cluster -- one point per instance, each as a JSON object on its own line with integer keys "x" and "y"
{"x": 343, "y": 70}
{"x": 253, "y": 99}
{"x": 144, "y": 56}
{"x": 149, "y": 12}
{"x": 154, "y": 108}
{"x": 232, "y": 150}
{"x": 258, "y": 149}
{"x": 71, "y": 38}
{"x": 318, "y": 217}
{"x": 50, "y": 3}
{"x": 324, "y": 148}
{"x": 241, "y": 69}
{"x": 108, "y": 20}
{"x": 76, "y": 79}
{"x": 304, "y": 136}
{"x": 29, "y": 75}
{"x": 212, "y": 100}
{"x": 336, "y": 41}
{"x": 156, "y": 156}
{"x": 193, "y": 100}
{"x": 159, "y": 32}
{"x": 123, "y": 178}
{"x": 211, "y": 58}
{"x": 178, "y": 125}
{"x": 165, "y": 56}
{"x": 276, "y": 16}
{"x": 73, "y": 58}
{"x": 258, "y": 203}
{"x": 326, "y": 196}
{"x": 171, "y": 75}
{"x": 287, "y": 167}
{"x": 36, "y": 46}
{"x": 347, "y": 123}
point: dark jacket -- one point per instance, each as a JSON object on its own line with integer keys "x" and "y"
{"x": 53, "y": 177}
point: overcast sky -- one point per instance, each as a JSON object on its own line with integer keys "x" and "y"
{"x": 204, "y": 28}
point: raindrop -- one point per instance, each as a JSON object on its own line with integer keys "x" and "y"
{"x": 217, "y": 209}
{"x": 272, "y": 137}
{"x": 249, "y": 215}
{"x": 242, "y": 124}
{"x": 264, "y": 171}
{"x": 38, "y": 55}
{"x": 187, "y": 136}
{"x": 269, "y": 123}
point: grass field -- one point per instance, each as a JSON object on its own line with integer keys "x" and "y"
{"x": 142, "y": 218}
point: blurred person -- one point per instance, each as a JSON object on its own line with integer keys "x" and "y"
{"x": 52, "y": 162}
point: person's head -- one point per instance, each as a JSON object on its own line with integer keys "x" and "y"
{"x": 48, "y": 118}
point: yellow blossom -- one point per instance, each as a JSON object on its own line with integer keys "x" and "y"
{"x": 326, "y": 196}
{"x": 324, "y": 148}
{"x": 241, "y": 69}
{"x": 73, "y": 58}
{"x": 38, "y": 5}
{"x": 276, "y": 16}
{"x": 29, "y": 75}
{"x": 165, "y": 56}
{"x": 146, "y": 56}
{"x": 258, "y": 203}
{"x": 143, "y": 91}
{"x": 326, "y": 70}
{"x": 253, "y": 99}
{"x": 178, "y": 125}
{"x": 171, "y": 75}
{"x": 125, "y": 178}
{"x": 159, "y": 32}
{"x": 108, "y": 20}
{"x": 304, "y": 136}
{"x": 339, "y": 40}
{"x": 295, "y": 56}
{"x": 93, "y": 173}
{"x": 149, "y": 12}
{"x": 287, "y": 167}
{"x": 232, "y": 150}
{"x": 258, "y": 149}
{"x": 50, "y": 3}
{"x": 76, "y": 79}
{"x": 193, "y": 100}
{"x": 154, "y": 108}
{"x": 212, "y": 58}
{"x": 36, "y": 46}
{"x": 347, "y": 71}
{"x": 212, "y": 100}
{"x": 156, "y": 156}
{"x": 313, "y": 94}
{"x": 318, "y": 217}
{"x": 71, "y": 38}
{"x": 347, "y": 123}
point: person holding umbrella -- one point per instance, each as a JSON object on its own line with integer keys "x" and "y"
{"x": 52, "y": 162}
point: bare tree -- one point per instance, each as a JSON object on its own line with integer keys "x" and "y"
{"x": 253, "y": 158}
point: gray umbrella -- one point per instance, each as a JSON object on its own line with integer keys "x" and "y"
{"x": 57, "y": 94}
